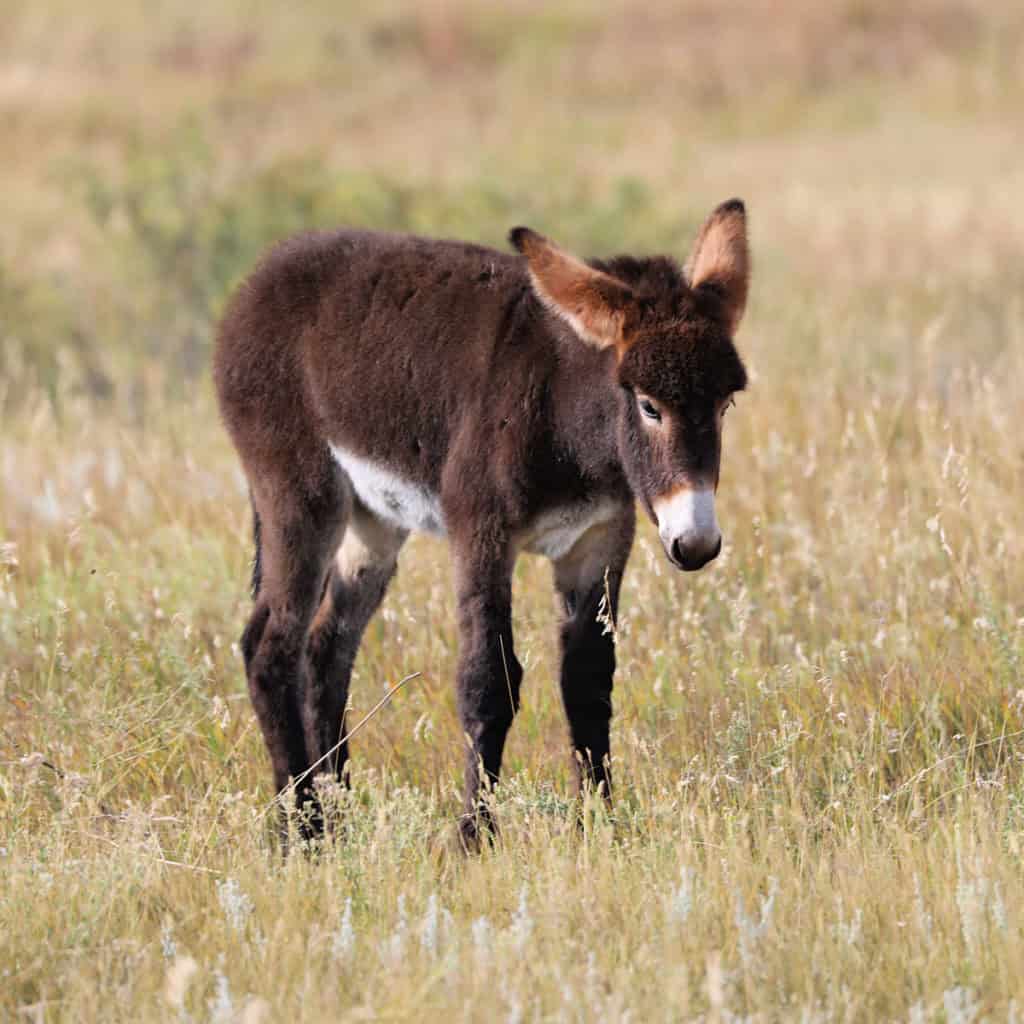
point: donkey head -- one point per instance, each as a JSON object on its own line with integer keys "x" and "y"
{"x": 674, "y": 361}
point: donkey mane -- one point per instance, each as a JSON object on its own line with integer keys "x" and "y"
{"x": 656, "y": 280}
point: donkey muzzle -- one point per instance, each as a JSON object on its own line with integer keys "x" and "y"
{"x": 688, "y": 528}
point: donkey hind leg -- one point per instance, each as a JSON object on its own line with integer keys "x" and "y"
{"x": 299, "y": 532}
{"x": 588, "y": 580}
{"x": 363, "y": 568}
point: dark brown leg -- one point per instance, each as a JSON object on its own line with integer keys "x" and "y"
{"x": 588, "y": 581}
{"x": 363, "y": 567}
{"x": 298, "y": 535}
{"x": 488, "y": 681}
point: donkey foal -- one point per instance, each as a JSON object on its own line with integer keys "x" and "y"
{"x": 377, "y": 384}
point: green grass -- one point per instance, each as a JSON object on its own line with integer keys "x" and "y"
{"x": 818, "y": 740}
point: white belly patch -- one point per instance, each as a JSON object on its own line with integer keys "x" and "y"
{"x": 404, "y": 504}
{"x": 554, "y": 532}
{"x": 411, "y": 506}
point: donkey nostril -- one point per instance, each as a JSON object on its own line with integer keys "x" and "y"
{"x": 691, "y": 559}
{"x": 677, "y": 552}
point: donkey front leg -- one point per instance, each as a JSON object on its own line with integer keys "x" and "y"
{"x": 588, "y": 581}
{"x": 488, "y": 681}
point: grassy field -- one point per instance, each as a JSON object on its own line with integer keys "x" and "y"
{"x": 819, "y": 740}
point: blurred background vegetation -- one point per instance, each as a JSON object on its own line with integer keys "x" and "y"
{"x": 152, "y": 150}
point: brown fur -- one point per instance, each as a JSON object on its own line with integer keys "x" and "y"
{"x": 721, "y": 259}
{"x": 460, "y": 371}
{"x": 593, "y": 303}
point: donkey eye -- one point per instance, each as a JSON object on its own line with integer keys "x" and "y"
{"x": 648, "y": 409}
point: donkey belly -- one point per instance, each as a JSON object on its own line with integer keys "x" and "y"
{"x": 555, "y": 531}
{"x": 409, "y": 505}
{"x": 393, "y": 498}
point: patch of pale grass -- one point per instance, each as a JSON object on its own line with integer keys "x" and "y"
{"x": 744, "y": 900}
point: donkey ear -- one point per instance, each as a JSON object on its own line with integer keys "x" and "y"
{"x": 593, "y": 303}
{"x": 720, "y": 260}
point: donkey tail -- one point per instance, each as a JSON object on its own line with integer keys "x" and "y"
{"x": 257, "y": 561}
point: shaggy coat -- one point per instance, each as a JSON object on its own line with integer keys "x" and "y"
{"x": 376, "y": 384}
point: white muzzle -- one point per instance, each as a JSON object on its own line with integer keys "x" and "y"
{"x": 688, "y": 527}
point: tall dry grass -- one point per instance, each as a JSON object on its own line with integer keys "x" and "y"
{"x": 818, "y": 739}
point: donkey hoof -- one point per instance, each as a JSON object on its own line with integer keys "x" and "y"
{"x": 475, "y": 831}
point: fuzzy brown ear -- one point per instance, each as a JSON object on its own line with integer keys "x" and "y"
{"x": 593, "y": 303}
{"x": 720, "y": 260}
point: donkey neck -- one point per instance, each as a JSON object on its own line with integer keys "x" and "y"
{"x": 585, "y": 411}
